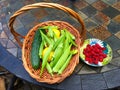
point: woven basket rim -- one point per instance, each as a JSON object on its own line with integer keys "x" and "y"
{"x": 61, "y": 77}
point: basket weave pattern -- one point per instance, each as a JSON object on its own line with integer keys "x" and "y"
{"x": 46, "y": 77}
{"x": 27, "y": 43}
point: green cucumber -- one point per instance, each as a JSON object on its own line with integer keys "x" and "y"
{"x": 35, "y": 60}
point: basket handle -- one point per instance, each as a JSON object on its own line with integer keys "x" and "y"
{"x": 17, "y": 36}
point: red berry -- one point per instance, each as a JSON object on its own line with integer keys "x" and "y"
{"x": 100, "y": 60}
{"x": 104, "y": 55}
{"x": 86, "y": 58}
{"x": 96, "y": 62}
{"x": 88, "y": 45}
{"x": 90, "y": 61}
{"x": 103, "y": 48}
{"x": 94, "y": 53}
{"x": 100, "y": 57}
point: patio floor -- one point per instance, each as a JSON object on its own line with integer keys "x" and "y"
{"x": 101, "y": 17}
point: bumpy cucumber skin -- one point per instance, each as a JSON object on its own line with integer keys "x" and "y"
{"x": 35, "y": 60}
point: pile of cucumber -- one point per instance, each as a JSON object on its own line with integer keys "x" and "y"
{"x": 59, "y": 43}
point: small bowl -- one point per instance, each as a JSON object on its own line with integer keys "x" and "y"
{"x": 107, "y": 51}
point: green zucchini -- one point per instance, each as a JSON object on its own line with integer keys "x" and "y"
{"x": 35, "y": 60}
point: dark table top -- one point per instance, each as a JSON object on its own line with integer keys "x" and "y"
{"x": 102, "y": 20}
{"x": 105, "y": 80}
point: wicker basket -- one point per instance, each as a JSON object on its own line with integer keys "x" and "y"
{"x": 26, "y": 45}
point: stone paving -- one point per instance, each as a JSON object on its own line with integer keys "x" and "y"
{"x": 101, "y": 17}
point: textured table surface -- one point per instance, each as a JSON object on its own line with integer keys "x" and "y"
{"x": 102, "y": 20}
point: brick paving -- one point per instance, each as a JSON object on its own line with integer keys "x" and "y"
{"x": 101, "y": 17}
